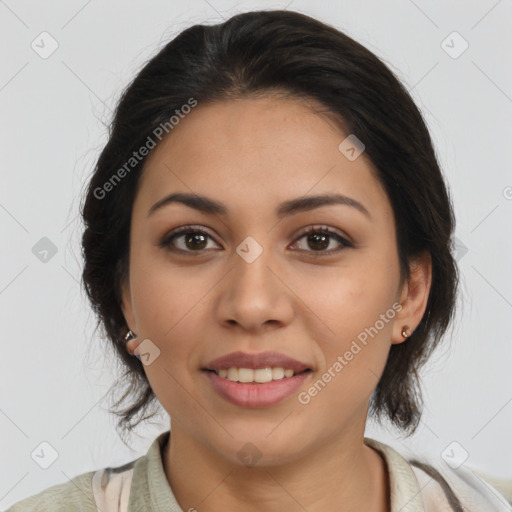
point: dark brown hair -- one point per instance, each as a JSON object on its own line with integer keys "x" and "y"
{"x": 256, "y": 53}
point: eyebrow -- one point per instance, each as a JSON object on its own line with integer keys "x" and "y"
{"x": 287, "y": 208}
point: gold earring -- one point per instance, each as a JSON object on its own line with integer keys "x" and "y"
{"x": 406, "y": 331}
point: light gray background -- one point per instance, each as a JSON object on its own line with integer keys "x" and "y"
{"x": 55, "y": 376}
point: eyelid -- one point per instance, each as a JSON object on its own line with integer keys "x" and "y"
{"x": 322, "y": 228}
{"x": 174, "y": 233}
{"x": 331, "y": 232}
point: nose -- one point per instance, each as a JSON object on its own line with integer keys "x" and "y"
{"x": 254, "y": 295}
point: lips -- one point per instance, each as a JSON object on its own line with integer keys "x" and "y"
{"x": 254, "y": 395}
{"x": 269, "y": 359}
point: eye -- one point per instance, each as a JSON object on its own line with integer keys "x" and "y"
{"x": 190, "y": 236}
{"x": 320, "y": 237}
{"x": 193, "y": 239}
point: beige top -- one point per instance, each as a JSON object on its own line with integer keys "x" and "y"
{"x": 142, "y": 486}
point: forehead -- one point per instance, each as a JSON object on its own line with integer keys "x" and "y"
{"x": 250, "y": 127}
{"x": 266, "y": 149}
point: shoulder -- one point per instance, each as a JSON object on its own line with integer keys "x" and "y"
{"x": 88, "y": 492}
{"x": 459, "y": 486}
{"x": 108, "y": 489}
{"x": 75, "y": 495}
{"x": 442, "y": 487}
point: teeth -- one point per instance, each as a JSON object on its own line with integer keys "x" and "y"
{"x": 260, "y": 375}
{"x": 278, "y": 373}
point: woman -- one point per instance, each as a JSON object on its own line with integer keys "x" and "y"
{"x": 268, "y": 246}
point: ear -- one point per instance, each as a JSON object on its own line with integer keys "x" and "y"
{"x": 127, "y": 308}
{"x": 413, "y": 297}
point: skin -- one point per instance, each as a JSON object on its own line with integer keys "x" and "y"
{"x": 251, "y": 155}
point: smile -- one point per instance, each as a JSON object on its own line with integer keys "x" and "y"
{"x": 246, "y": 391}
{"x": 260, "y": 375}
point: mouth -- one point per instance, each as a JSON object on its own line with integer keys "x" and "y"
{"x": 258, "y": 379}
{"x": 247, "y": 392}
{"x": 256, "y": 375}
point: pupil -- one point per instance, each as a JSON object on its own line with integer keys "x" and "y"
{"x": 314, "y": 238}
{"x": 318, "y": 240}
{"x": 193, "y": 239}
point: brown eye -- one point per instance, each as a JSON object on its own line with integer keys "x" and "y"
{"x": 318, "y": 239}
{"x": 186, "y": 239}
{"x": 196, "y": 240}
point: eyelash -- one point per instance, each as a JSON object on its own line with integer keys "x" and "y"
{"x": 169, "y": 237}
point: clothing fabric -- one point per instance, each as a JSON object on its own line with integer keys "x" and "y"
{"x": 142, "y": 486}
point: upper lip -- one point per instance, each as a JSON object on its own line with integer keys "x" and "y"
{"x": 269, "y": 359}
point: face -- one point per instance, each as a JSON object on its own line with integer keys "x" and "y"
{"x": 320, "y": 285}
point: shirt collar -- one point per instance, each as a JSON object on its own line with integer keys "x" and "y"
{"x": 151, "y": 491}
{"x": 405, "y": 492}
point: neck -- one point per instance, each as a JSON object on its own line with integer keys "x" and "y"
{"x": 343, "y": 475}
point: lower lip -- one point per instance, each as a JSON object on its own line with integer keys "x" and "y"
{"x": 255, "y": 394}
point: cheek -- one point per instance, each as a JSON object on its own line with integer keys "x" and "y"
{"x": 165, "y": 295}
{"x": 352, "y": 298}
{"x": 165, "y": 300}
{"x": 167, "y": 303}
{"x": 358, "y": 309}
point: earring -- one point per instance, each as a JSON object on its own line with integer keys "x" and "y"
{"x": 406, "y": 331}
{"x": 129, "y": 336}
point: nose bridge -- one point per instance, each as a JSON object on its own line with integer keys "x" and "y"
{"x": 252, "y": 262}
{"x": 253, "y": 294}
